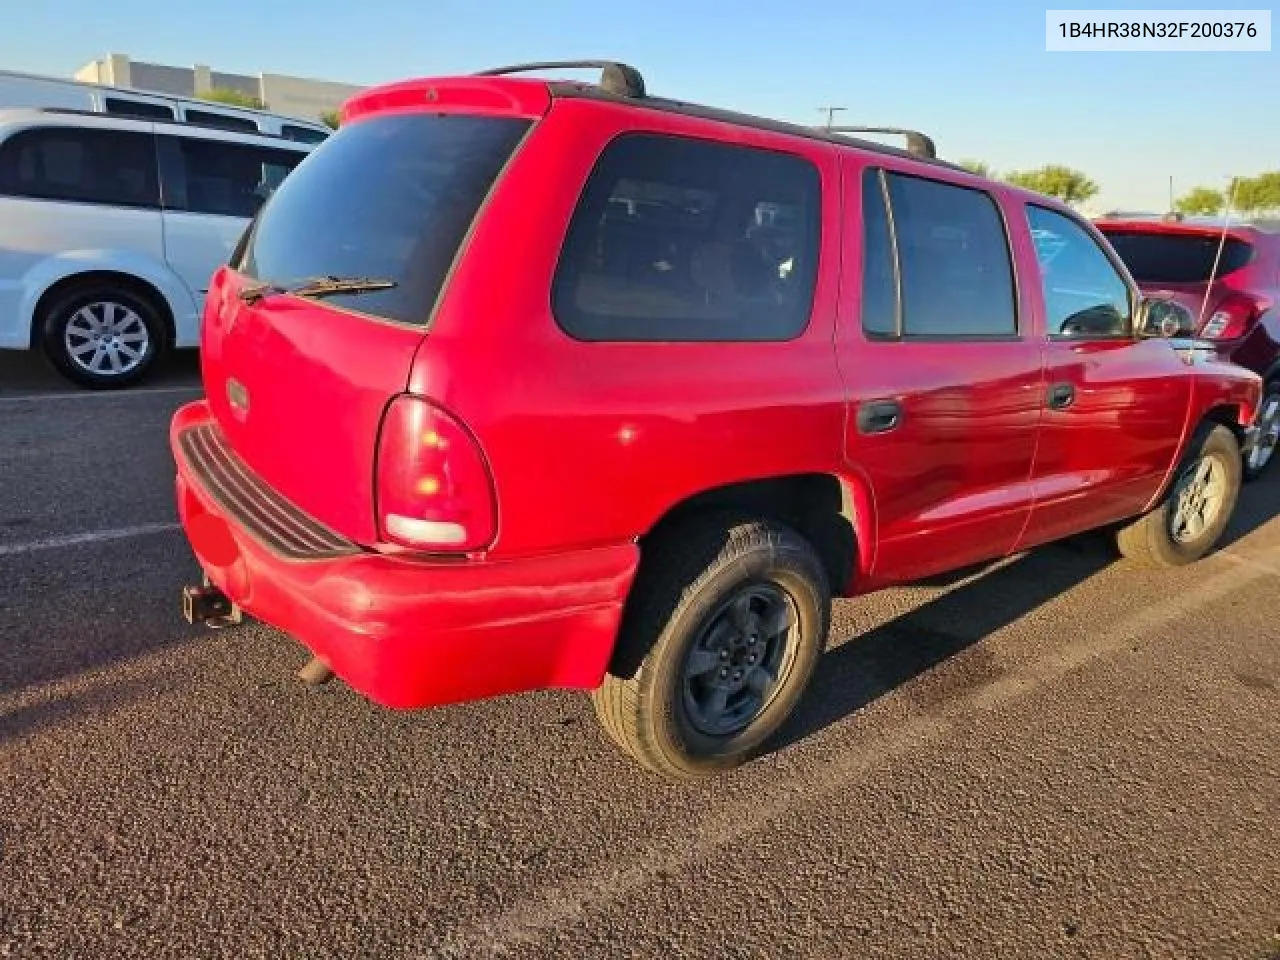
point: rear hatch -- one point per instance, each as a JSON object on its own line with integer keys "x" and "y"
{"x": 1181, "y": 261}
{"x": 312, "y": 328}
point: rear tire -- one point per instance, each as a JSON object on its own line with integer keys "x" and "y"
{"x": 102, "y": 335}
{"x": 1190, "y": 518}
{"x": 1261, "y": 457}
{"x": 726, "y": 623}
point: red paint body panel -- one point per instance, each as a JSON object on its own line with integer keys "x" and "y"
{"x": 318, "y": 380}
{"x": 409, "y": 633}
{"x": 589, "y": 445}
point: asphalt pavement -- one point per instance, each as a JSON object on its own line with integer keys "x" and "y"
{"x": 1060, "y": 756}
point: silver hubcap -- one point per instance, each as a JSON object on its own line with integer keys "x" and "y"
{"x": 1198, "y": 499}
{"x": 106, "y": 338}
{"x": 740, "y": 659}
{"x": 1268, "y": 434}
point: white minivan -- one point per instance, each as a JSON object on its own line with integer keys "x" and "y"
{"x": 110, "y": 229}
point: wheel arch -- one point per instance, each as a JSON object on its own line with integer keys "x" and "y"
{"x": 128, "y": 281}
{"x": 834, "y": 513}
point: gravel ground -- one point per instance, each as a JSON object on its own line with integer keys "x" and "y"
{"x": 1062, "y": 756}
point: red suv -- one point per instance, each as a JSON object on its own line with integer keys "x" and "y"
{"x": 524, "y": 383}
{"x": 1227, "y": 273}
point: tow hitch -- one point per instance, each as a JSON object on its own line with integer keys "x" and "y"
{"x": 209, "y": 606}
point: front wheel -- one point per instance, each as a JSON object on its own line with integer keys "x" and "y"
{"x": 726, "y": 624}
{"x": 1264, "y": 446}
{"x": 1191, "y": 517}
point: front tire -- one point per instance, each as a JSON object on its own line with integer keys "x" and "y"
{"x": 1191, "y": 517}
{"x": 1263, "y": 453}
{"x": 102, "y": 336}
{"x": 726, "y": 624}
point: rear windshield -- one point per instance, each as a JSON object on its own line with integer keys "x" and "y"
{"x": 1176, "y": 258}
{"x": 388, "y": 198}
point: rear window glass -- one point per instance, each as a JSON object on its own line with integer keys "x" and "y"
{"x": 387, "y": 198}
{"x": 1176, "y": 258}
{"x": 681, "y": 240}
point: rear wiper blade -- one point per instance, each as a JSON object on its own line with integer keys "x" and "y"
{"x": 316, "y": 287}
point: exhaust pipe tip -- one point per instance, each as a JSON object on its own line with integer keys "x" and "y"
{"x": 315, "y": 673}
{"x": 208, "y": 606}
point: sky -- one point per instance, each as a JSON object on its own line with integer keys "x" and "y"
{"x": 973, "y": 75}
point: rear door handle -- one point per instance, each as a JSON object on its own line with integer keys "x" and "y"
{"x": 1061, "y": 395}
{"x": 879, "y": 416}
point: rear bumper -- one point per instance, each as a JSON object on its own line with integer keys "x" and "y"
{"x": 409, "y": 633}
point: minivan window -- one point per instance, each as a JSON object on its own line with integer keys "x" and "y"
{"x": 302, "y": 134}
{"x": 953, "y": 260}
{"x": 138, "y": 108}
{"x": 1177, "y": 257}
{"x": 228, "y": 179}
{"x": 390, "y": 197}
{"x": 679, "y": 239}
{"x": 221, "y": 121}
{"x": 81, "y": 166}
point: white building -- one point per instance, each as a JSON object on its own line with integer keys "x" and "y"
{"x": 292, "y": 96}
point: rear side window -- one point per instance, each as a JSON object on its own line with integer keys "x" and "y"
{"x": 228, "y": 179}
{"x": 676, "y": 239}
{"x": 81, "y": 166}
{"x": 1177, "y": 258}
{"x": 956, "y": 277}
{"x": 386, "y": 198}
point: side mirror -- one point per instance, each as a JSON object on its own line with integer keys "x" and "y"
{"x": 1164, "y": 318}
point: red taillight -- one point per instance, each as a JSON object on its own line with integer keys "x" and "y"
{"x": 434, "y": 488}
{"x": 1233, "y": 317}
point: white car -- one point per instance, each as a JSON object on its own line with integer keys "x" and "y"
{"x": 110, "y": 229}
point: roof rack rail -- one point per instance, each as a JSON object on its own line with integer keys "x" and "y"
{"x": 620, "y": 79}
{"x": 173, "y": 121}
{"x": 917, "y": 142}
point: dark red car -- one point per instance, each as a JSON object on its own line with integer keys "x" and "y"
{"x": 523, "y": 383}
{"x": 1227, "y": 273}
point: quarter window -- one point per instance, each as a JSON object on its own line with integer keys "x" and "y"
{"x": 1085, "y": 296}
{"x": 879, "y": 269}
{"x": 676, "y": 239}
{"x": 81, "y": 166}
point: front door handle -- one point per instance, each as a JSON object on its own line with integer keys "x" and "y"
{"x": 879, "y": 416}
{"x": 1061, "y": 395}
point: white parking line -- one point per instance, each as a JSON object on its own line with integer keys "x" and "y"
{"x": 93, "y": 536}
{"x": 99, "y": 394}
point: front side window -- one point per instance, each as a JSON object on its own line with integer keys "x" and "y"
{"x": 228, "y": 179}
{"x": 953, "y": 260}
{"x": 676, "y": 239}
{"x": 1085, "y": 296}
{"x": 81, "y": 166}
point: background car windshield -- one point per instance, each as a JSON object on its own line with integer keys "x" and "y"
{"x": 388, "y": 198}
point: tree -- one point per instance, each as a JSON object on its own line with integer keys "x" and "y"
{"x": 1069, "y": 186}
{"x": 979, "y": 167}
{"x": 1202, "y": 201}
{"x": 232, "y": 98}
{"x": 1256, "y": 195}
{"x": 331, "y": 119}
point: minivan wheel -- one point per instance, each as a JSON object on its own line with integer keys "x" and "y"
{"x": 102, "y": 336}
{"x": 726, "y": 623}
{"x": 1195, "y": 511}
{"x": 1263, "y": 452}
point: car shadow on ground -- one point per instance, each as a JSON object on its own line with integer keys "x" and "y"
{"x": 29, "y": 373}
{"x": 853, "y": 674}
